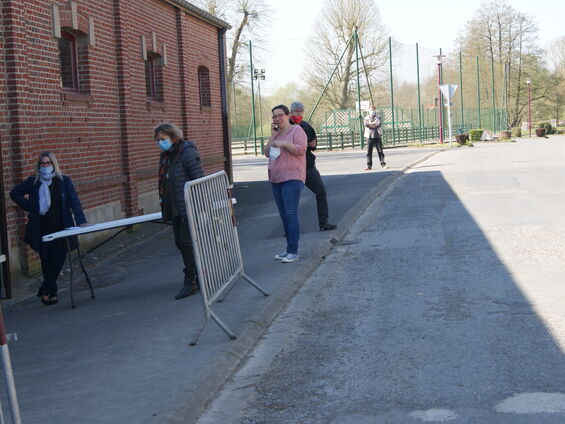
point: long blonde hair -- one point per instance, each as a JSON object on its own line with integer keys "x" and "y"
{"x": 56, "y": 168}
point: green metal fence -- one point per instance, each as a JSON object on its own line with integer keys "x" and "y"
{"x": 340, "y": 129}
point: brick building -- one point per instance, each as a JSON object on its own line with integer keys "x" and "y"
{"x": 88, "y": 80}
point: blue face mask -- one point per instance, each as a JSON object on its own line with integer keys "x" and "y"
{"x": 165, "y": 144}
{"x": 46, "y": 170}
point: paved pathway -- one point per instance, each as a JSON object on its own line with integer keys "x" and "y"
{"x": 124, "y": 357}
{"x": 443, "y": 303}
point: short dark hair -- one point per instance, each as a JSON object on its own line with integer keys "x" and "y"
{"x": 283, "y": 108}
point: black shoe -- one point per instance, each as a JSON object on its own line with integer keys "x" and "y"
{"x": 41, "y": 292}
{"x": 187, "y": 290}
{"x": 49, "y": 300}
{"x": 327, "y": 227}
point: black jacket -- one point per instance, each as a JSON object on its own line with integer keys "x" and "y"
{"x": 187, "y": 167}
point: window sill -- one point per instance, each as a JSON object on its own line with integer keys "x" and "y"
{"x": 155, "y": 105}
{"x": 74, "y": 97}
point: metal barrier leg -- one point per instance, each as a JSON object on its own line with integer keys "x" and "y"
{"x": 10, "y": 385}
{"x": 254, "y": 284}
{"x": 199, "y": 332}
{"x": 85, "y": 273}
{"x": 228, "y": 288}
{"x": 71, "y": 269}
{"x": 223, "y": 326}
{"x": 218, "y": 321}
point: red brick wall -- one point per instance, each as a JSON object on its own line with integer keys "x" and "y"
{"x": 103, "y": 136}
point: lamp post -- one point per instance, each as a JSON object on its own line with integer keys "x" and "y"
{"x": 529, "y": 82}
{"x": 440, "y": 102}
{"x": 260, "y": 75}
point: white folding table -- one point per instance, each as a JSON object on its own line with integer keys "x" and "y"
{"x": 76, "y": 231}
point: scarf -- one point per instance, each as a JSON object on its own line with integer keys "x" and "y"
{"x": 174, "y": 153}
{"x": 44, "y": 193}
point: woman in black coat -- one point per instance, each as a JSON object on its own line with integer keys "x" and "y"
{"x": 179, "y": 162}
{"x": 50, "y": 199}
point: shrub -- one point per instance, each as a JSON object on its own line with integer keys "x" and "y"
{"x": 516, "y": 132}
{"x": 475, "y": 135}
{"x": 548, "y": 128}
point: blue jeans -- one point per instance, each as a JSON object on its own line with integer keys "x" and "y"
{"x": 287, "y": 195}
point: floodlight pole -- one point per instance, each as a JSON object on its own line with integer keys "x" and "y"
{"x": 234, "y": 117}
{"x": 361, "y": 138}
{"x": 479, "y": 93}
{"x": 391, "y": 89}
{"x": 252, "y": 99}
{"x": 461, "y": 91}
{"x": 529, "y": 82}
{"x": 440, "y": 101}
{"x": 260, "y": 76}
{"x": 493, "y": 99}
{"x": 419, "y": 100}
{"x": 449, "y": 113}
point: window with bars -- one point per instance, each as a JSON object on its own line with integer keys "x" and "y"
{"x": 68, "y": 58}
{"x": 204, "y": 87}
{"x": 154, "y": 77}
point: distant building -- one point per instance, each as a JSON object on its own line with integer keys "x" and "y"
{"x": 88, "y": 80}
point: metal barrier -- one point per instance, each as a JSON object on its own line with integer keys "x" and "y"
{"x": 8, "y": 375}
{"x": 215, "y": 242}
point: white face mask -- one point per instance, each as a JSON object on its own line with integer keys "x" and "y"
{"x": 46, "y": 170}
{"x": 274, "y": 153}
{"x": 373, "y": 113}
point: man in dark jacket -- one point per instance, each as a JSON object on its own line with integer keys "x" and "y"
{"x": 313, "y": 179}
{"x": 179, "y": 162}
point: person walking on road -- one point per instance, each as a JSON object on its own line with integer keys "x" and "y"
{"x": 50, "y": 199}
{"x": 179, "y": 162}
{"x": 287, "y": 172}
{"x": 313, "y": 179}
{"x": 373, "y": 135}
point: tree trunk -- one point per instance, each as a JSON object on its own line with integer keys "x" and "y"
{"x": 344, "y": 100}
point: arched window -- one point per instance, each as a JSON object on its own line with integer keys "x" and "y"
{"x": 68, "y": 59}
{"x": 204, "y": 86}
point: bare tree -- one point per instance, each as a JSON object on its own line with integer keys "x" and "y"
{"x": 556, "y": 98}
{"x": 507, "y": 37}
{"x": 333, "y": 36}
{"x": 248, "y": 18}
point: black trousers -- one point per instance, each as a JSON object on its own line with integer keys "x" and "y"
{"x": 184, "y": 244}
{"x": 53, "y": 255}
{"x": 378, "y": 143}
{"x": 315, "y": 184}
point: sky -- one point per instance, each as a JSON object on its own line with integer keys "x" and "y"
{"x": 433, "y": 24}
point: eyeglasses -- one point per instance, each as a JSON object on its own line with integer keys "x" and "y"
{"x": 46, "y": 162}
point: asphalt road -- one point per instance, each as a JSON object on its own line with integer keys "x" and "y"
{"x": 124, "y": 356}
{"x": 443, "y": 303}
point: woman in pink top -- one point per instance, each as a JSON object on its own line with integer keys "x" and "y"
{"x": 287, "y": 171}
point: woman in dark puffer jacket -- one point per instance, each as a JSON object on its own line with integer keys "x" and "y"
{"x": 179, "y": 162}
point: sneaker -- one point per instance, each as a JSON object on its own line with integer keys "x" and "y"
{"x": 368, "y": 168}
{"x": 384, "y": 166}
{"x": 327, "y": 227}
{"x": 281, "y": 256}
{"x": 290, "y": 257}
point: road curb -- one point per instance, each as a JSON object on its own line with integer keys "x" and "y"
{"x": 230, "y": 361}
